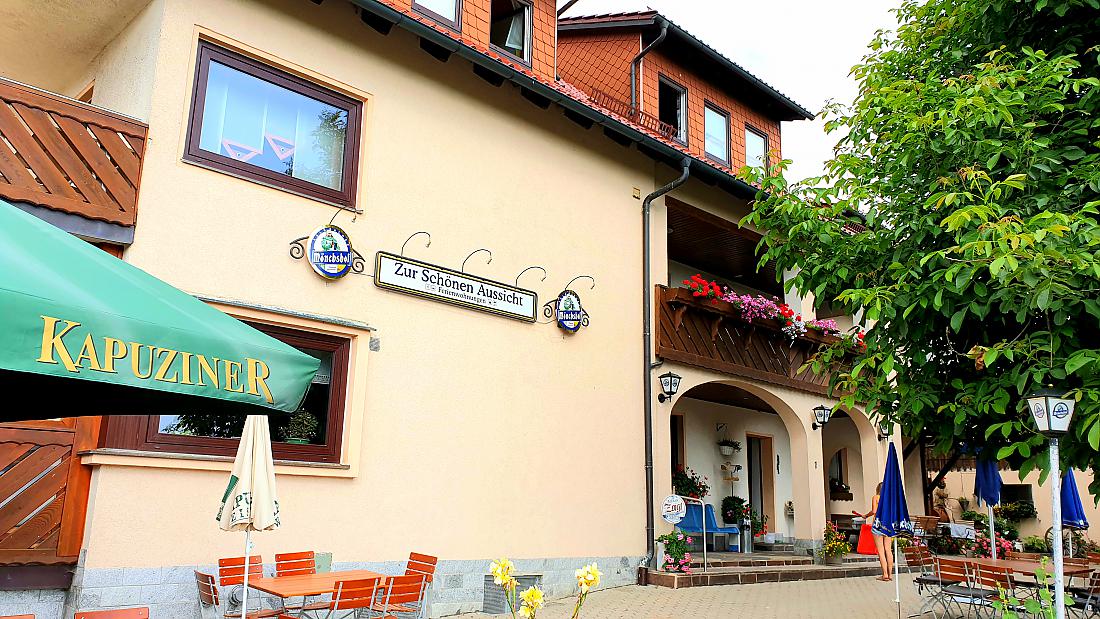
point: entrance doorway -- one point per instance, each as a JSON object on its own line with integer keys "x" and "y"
{"x": 676, "y": 433}
{"x": 761, "y": 479}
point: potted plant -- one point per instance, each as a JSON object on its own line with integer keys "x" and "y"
{"x": 676, "y": 557}
{"x": 834, "y": 545}
{"x": 301, "y": 429}
{"x": 686, "y": 482}
{"x": 727, "y": 447}
{"x": 735, "y": 510}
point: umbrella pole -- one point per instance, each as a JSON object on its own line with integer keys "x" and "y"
{"x": 992, "y": 534}
{"x": 247, "y": 552}
{"x": 897, "y": 584}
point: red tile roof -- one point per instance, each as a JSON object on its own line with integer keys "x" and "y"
{"x": 562, "y": 87}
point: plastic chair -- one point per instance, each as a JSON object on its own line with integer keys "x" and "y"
{"x": 120, "y": 613}
{"x": 231, "y": 574}
{"x": 209, "y": 597}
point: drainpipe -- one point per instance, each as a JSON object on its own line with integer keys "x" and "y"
{"x": 647, "y": 357}
{"x": 634, "y": 64}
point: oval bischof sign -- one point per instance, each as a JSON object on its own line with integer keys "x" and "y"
{"x": 570, "y": 313}
{"x": 673, "y": 509}
{"x": 329, "y": 252}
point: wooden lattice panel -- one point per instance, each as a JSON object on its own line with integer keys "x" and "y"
{"x": 69, "y": 156}
{"x": 34, "y": 475}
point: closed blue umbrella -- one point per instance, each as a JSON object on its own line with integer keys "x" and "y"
{"x": 1073, "y": 512}
{"x": 987, "y": 489}
{"x": 892, "y": 517}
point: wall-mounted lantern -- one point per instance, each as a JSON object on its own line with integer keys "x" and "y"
{"x": 670, "y": 384}
{"x": 822, "y": 414}
{"x": 884, "y": 431}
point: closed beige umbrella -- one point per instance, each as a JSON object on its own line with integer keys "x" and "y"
{"x": 249, "y": 503}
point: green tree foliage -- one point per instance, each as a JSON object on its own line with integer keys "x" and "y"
{"x": 960, "y": 213}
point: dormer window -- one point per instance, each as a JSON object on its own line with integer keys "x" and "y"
{"x": 510, "y": 27}
{"x": 672, "y": 107}
{"x": 756, "y": 148}
{"x": 716, "y": 133}
{"x": 444, "y": 11}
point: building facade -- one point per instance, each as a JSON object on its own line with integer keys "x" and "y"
{"x": 478, "y": 172}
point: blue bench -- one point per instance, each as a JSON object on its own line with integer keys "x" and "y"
{"x": 693, "y": 523}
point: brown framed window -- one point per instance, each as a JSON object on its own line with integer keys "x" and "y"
{"x": 254, "y": 121}
{"x": 716, "y": 133}
{"x": 510, "y": 27}
{"x": 218, "y": 435}
{"x": 756, "y": 147}
{"x": 446, "y": 12}
{"x": 672, "y": 102}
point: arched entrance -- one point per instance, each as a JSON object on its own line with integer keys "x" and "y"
{"x": 770, "y": 467}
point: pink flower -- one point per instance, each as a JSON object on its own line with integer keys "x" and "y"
{"x": 689, "y": 540}
{"x": 680, "y": 537}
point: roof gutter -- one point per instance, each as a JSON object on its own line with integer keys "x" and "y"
{"x": 666, "y": 152}
{"x": 636, "y": 63}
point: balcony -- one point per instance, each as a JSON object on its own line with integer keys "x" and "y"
{"x": 77, "y": 161}
{"x": 638, "y": 117}
{"x": 713, "y": 335}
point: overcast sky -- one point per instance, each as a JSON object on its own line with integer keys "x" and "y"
{"x": 803, "y": 48}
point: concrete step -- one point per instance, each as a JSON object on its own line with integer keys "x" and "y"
{"x": 776, "y": 547}
{"x": 751, "y": 560}
{"x": 753, "y": 575}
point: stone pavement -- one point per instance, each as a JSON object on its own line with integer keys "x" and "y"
{"x": 847, "y": 598}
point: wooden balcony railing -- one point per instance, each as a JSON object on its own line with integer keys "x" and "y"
{"x": 69, "y": 156}
{"x": 638, "y": 117}
{"x": 715, "y": 336}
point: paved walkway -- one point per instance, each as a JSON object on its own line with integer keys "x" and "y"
{"x": 848, "y": 598}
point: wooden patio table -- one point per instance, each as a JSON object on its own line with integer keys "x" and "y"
{"x": 301, "y": 585}
{"x": 1020, "y": 566}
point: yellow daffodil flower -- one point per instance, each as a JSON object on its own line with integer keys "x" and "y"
{"x": 588, "y": 577}
{"x": 502, "y": 571}
{"x": 532, "y": 601}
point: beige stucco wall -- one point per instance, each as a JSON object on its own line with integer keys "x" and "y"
{"x": 961, "y": 484}
{"x": 474, "y": 435}
{"x": 466, "y": 435}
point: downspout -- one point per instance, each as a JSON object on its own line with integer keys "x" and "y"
{"x": 634, "y": 64}
{"x": 647, "y": 357}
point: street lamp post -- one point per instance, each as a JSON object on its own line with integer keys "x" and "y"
{"x": 1052, "y": 414}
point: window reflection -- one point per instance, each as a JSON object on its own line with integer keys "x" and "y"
{"x": 257, "y": 122}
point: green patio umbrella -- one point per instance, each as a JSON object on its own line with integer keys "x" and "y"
{"x": 84, "y": 333}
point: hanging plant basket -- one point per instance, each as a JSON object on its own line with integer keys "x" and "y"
{"x": 725, "y": 450}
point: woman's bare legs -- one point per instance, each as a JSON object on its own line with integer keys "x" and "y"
{"x": 888, "y": 546}
{"x": 880, "y": 547}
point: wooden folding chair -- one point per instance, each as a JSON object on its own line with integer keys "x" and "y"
{"x": 350, "y": 598}
{"x": 231, "y": 574}
{"x": 1013, "y": 555}
{"x": 296, "y": 564}
{"x": 1094, "y": 558}
{"x": 1086, "y": 600}
{"x": 996, "y": 585}
{"x": 424, "y": 565}
{"x": 210, "y": 598}
{"x": 958, "y": 587}
{"x": 121, "y": 613}
{"x": 1071, "y": 562}
{"x": 403, "y": 595}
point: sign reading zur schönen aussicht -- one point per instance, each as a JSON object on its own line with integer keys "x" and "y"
{"x": 421, "y": 279}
